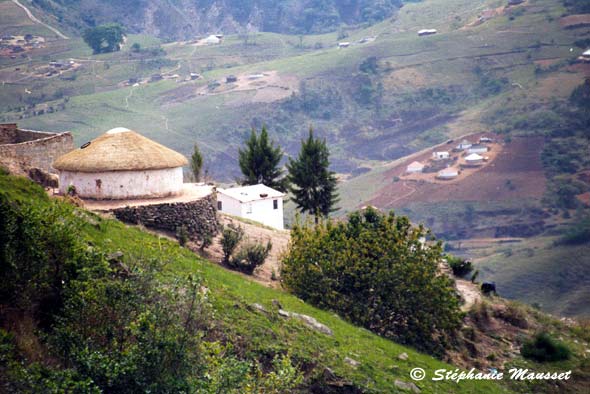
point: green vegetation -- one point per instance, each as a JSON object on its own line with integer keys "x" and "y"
{"x": 109, "y": 322}
{"x": 196, "y": 163}
{"x": 260, "y": 160}
{"x": 578, "y": 234}
{"x": 250, "y": 257}
{"x": 543, "y": 348}
{"x": 237, "y": 347}
{"x": 231, "y": 235}
{"x": 104, "y": 38}
{"x": 311, "y": 182}
{"x": 460, "y": 267}
{"x": 374, "y": 270}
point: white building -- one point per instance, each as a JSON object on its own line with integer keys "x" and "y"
{"x": 478, "y": 149}
{"x": 464, "y": 145}
{"x": 415, "y": 167}
{"x": 343, "y": 44}
{"x": 426, "y": 32}
{"x": 121, "y": 164}
{"x": 474, "y": 160}
{"x": 212, "y": 40}
{"x": 256, "y": 202}
{"x": 448, "y": 173}
{"x": 440, "y": 155}
{"x": 585, "y": 56}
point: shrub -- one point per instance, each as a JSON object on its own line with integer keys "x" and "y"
{"x": 231, "y": 235}
{"x": 460, "y": 267}
{"x": 578, "y": 234}
{"x": 182, "y": 235}
{"x": 374, "y": 271}
{"x": 543, "y": 348}
{"x": 250, "y": 257}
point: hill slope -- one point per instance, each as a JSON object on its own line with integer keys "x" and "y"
{"x": 182, "y": 19}
{"x": 256, "y": 333}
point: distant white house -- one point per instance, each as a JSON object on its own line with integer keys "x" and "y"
{"x": 440, "y": 155}
{"x": 464, "y": 145}
{"x": 426, "y": 32}
{"x": 448, "y": 173}
{"x": 256, "y": 202}
{"x": 415, "y": 167}
{"x": 485, "y": 140}
{"x": 343, "y": 44}
{"x": 585, "y": 56}
{"x": 473, "y": 159}
{"x": 212, "y": 40}
{"x": 478, "y": 149}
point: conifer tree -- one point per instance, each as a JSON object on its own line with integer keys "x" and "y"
{"x": 312, "y": 183}
{"x": 259, "y": 161}
{"x": 196, "y": 163}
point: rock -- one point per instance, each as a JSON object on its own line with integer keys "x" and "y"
{"x": 403, "y": 356}
{"x": 259, "y": 307}
{"x": 352, "y": 362}
{"x": 407, "y": 386}
{"x": 309, "y": 321}
{"x": 313, "y": 323}
{"x": 277, "y": 304}
{"x": 115, "y": 256}
{"x": 329, "y": 375}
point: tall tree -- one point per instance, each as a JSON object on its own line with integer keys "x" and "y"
{"x": 259, "y": 162}
{"x": 196, "y": 163}
{"x": 312, "y": 183}
{"x": 104, "y": 38}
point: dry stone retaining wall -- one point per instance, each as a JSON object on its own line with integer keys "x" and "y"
{"x": 199, "y": 217}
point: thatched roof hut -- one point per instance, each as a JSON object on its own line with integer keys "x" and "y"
{"x": 120, "y": 149}
{"x": 121, "y": 164}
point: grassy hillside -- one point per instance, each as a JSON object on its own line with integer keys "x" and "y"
{"x": 252, "y": 334}
{"x": 260, "y": 335}
{"x": 357, "y": 110}
{"x": 521, "y": 269}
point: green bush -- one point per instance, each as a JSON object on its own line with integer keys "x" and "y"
{"x": 578, "y": 234}
{"x": 231, "y": 235}
{"x": 375, "y": 272}
{"x": 459, "y": 266}
{"x": 543, "y": 348}
{"x": 250, "y": 257}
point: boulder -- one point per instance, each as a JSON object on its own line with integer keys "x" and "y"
{"x": 406, "y": 386}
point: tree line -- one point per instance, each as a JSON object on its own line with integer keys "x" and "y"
{"x": 307, "y": 176}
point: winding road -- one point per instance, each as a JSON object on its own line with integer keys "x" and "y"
{"x": 35, "y": 20}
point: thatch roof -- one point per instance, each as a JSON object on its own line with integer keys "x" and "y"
{"x": 120, "y": 149}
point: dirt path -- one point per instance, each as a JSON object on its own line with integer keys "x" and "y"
{"x": 34, "y": 19}
{"x": 412, "y": 191}
{"x": 470, "y": 293}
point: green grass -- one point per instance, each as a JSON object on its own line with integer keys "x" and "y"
{"x": 260, "y": 334}
{"x": 232, "y": 294}
{"x": 521, "y": 270}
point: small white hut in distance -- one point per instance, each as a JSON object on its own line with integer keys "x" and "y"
{"x": 121, "y": 164}
{"x": 256, "y": 202}
{"x": 415, "y": 167}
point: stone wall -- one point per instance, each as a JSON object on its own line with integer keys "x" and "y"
{"x": 21, "y": 150}
{"x": 199, "y": 216}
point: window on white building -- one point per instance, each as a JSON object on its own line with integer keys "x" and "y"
{"x": 219, "y": 205}
{"x": 275, "y": 204}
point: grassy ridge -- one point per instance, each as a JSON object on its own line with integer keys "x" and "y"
{"x": 261, "y": 335}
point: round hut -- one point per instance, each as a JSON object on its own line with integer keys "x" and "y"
{"x": 121, "y": 164}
